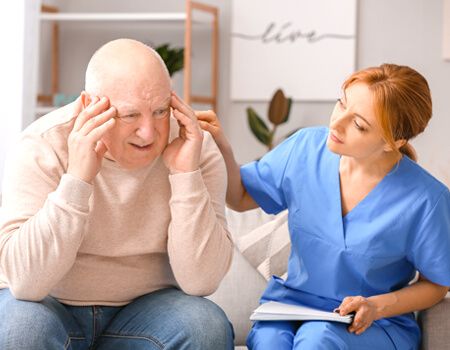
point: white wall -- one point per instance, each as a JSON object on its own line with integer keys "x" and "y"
{"x": 405, "y": 32}
{"x": 17, "y": 27}
{"x": 401, "y": 31}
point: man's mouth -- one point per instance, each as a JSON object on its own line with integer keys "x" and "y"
{"x": 141, "y": 147}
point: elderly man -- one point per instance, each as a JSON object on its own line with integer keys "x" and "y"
{"x": 113, "y": 219}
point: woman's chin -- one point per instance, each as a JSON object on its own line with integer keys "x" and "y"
{"x": 333, "y": 147}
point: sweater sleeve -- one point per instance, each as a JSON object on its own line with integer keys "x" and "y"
{"x": 199, "y": 246}
{"x": 43, "y": 219}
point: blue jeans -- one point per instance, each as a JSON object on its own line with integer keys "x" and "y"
{"x": 165, "y": 319}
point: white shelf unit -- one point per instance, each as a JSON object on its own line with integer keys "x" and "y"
{"x": 162, "y": 16}
{"x": 51, "y": 14}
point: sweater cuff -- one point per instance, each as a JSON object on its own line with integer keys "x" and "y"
{"x": 74, "y": 191}
{"x": 187, "y": 184}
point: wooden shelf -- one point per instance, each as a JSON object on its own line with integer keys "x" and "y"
{"x": 52, "y": 15}
{"x": 74, "y": 16}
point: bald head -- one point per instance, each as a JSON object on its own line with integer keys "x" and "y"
{"x": 127, "y": 62}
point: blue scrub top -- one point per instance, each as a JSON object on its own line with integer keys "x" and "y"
{"x": 401, "y": 226}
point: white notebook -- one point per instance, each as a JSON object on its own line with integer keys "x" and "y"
{"x": 272, "y": 311}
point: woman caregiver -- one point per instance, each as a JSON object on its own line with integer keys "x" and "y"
{"x": 363, "y": 217}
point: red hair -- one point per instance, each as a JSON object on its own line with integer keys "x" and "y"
{"x": 402, "y": 98}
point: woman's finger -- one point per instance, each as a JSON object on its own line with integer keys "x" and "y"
{"x": 207, "y": 116}
{"x": 205, "y": 125}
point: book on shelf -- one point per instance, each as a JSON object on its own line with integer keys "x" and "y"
{"x": 275, "y": 311}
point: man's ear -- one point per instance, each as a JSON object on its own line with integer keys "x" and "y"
{"x": 85, "y": 99}
{"x": 398, "y": 145}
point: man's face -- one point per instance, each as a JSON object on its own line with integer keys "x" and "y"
{"x": 141, "y": 131}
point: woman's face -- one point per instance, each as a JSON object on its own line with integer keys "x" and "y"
{"x": 354, "y": 129}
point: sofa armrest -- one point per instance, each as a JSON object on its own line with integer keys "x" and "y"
{"x": 435, "y": 324}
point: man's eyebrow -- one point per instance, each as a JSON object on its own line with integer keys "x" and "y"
{"x": 127, "y": 111}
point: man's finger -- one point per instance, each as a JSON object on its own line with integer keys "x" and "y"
{"x": 94, "y": 122}
{"x": 187, "y": 122}
{"x": 180, "y": 105}
{"x": 100, "y": 149}
{"x": 99, "y": 131}
{"x": 91, "y": 111}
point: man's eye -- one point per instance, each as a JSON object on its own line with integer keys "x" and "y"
{"x": 161, "y": 113}
{"x": 129, "y": 118}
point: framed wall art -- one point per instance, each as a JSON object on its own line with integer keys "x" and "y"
{"x": 305, "y": 47}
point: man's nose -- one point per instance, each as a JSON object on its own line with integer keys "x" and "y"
{"x": 146, "y": 129}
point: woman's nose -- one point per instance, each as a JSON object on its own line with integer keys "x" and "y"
{"x": 339, "y": 120}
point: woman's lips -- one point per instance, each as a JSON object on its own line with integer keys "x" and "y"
{"x": 335, "y": 139}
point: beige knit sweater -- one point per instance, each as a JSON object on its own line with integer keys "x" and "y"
{"x": 128, "y": 234}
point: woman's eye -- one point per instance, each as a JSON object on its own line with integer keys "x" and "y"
{"x": 359, "y": 127}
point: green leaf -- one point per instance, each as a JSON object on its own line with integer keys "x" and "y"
{"x": 258, "y": 127}
{"x": 278, "y": 108}
{"x": 172, "y": 57}
{"x": 286, "y": 118}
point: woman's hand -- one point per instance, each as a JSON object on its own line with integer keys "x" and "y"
{"x": 365, "y": 312}
{"x": 209, "y": 122}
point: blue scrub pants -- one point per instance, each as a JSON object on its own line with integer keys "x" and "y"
{"x": 165, "y": 319}
{"x": 315, "y": 335}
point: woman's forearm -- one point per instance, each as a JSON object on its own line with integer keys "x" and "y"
{"x": 418, "y": 296}
{"x": 237, "y": 197}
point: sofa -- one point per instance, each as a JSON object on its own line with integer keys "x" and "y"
{"x": 241, "y": 288}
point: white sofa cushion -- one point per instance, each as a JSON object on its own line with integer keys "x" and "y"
{"x": 267, "y": 247}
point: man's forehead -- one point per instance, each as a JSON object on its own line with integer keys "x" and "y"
{"x": 152, "y": 101}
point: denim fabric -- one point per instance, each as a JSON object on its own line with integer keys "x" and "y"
{"x": 165, "y": 319}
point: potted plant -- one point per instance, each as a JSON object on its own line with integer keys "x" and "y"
{"x": 172, "y": 57}
{"x": 278, "y": 113}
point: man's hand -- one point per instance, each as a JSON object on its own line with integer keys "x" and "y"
{"x": 86, "y": 150}
{"x": 365, "y": 312}
{"x": 183, "y": 153}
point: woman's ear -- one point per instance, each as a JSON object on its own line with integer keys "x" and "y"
{"x": 398, "y": 145}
